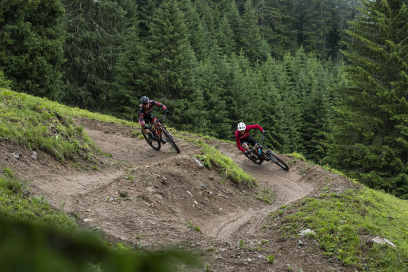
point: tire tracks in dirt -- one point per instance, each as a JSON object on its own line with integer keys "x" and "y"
{"x": 167, "y": 192}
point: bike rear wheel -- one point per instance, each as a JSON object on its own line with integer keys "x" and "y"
{"x": 274, "y": 158}
{"x": 170, "y": 139}
{"x": 153, "y": 142}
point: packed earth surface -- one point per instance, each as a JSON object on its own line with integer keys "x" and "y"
{"x": 148, "y": 199}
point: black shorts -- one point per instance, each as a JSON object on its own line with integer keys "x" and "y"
{"x": 248, "y": 140}
{"x": 149, "y": 118}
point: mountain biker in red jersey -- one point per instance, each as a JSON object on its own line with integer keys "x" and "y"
{"x": 242, "y": 137}
{"x": 146, "y": 107}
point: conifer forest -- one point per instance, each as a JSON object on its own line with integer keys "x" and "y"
{"x": 325, "y": 78}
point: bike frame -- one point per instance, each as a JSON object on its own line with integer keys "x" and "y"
{"x": 262, "y": 148}
{"x": 153, "y": 125}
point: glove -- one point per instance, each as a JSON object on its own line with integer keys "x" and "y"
{"x": 248, "y": 152}
{"x": 146, "y": 127}
{"x": 167, "y": 112}
{"x": 264, "y": 132}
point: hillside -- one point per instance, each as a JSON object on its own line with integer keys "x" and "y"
{"x": 148, "y": 199}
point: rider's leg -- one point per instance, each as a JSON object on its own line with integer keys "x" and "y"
{"x": 148, "y": 119}
{"x": 245, "y": 146}
{"x": 157, "y": 125}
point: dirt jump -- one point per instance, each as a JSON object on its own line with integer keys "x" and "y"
{"x": 146, "y": 198}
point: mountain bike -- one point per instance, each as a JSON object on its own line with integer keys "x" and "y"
{"x": 260, "y": 153}
{"x": 157, "y": 133}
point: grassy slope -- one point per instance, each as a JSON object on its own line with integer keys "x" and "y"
{"x": 341, "y": 221}
{"x": 344, "y": 225}
{"x": 51, "y": 238}
{"x": 39, "y": 123}
{"x": 14, "y": 204}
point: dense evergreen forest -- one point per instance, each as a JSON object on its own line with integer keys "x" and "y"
{"x": 325, "y": 78}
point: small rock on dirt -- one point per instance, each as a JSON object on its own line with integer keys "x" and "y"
{"x": 87, "y": 220}
{"x": 382, "y": 241}
{"x": 306, "y": 231}
{"x": 302, "y": 243}
{"x": 16, "y": 155}
{"x": 34, "y": 155}
{"x": 158, "y": 196}
{"x": 202, "y": 186}
{"x": 199, "y": 163}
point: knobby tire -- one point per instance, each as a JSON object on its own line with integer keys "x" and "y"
{"x": 151, "y": 141}
{"x": 274, "y": 158}
{"x": 170, "y": 139}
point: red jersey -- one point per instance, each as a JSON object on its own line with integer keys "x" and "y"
{"x": 239, "y": 136}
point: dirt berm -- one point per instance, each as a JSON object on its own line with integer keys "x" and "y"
{"x": 150, "y": 198}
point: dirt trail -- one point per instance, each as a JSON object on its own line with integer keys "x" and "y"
{"x": 166, "y": 195}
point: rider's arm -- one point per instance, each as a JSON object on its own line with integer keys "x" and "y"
{"x": 254, "y": 126}
{"x": 158, "y": 104}
{"x": 238, "y": 140}
{"x": 141, "y": 119}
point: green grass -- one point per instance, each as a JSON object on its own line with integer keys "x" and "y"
{"x": 226, "y": 166}
{"x": 344, "y": 223}
{"x": 16, "y": 206}
{"x": 297, "y": 156}
{"x": 37, "y": 123}
{"x": 266, "y": 194}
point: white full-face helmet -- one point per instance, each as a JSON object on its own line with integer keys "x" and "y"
{"x": 241, "y": 126}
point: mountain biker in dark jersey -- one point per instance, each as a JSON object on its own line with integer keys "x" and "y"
{"x": 146, "y": 107}
{"x": 242, "y": 137}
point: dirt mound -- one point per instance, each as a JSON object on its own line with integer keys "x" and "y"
{"x": 146, "y": 197}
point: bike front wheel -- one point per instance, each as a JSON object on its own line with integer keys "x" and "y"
{"x": 274, "y": 158}
{"x": 154, "y": 141}
{"x": 170, "y": 139}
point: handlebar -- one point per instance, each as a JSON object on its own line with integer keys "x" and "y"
{"x": 158, "y": 120}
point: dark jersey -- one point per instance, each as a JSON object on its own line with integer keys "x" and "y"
{"x": 143, "y": 112}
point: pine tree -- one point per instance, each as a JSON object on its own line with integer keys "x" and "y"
{"x": 31, "y": 42}
{"x": 146, "y": 9}
{"x": 277, "y": 25}
{"x": 241, "y": 93}
{"x": 237, "y": 26}
{"x": 225, "y": 37}
{"x": 130, "y": 78}
{"x": 173, "y": 68}
{"x": 291, "y": 110}
{"x": 271, "y": 107}
{"x": 253, "y": 40}
{"x": 315, "y": 118}
{"x": 371, "y": 139}
{"x": 213, "y": 72}
{"x": 95, "y": 33}
{"x": 197, "y": 34}
{"x": 317, "y": 27}
{"x": 205, "y": 12}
